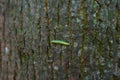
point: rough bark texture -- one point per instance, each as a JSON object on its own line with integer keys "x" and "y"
{"x": 27, "y": 27}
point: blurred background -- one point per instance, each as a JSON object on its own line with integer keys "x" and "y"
{"x": 91, "y": 27}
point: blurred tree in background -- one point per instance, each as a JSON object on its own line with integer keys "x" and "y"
{"x": 59, "y": 39}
